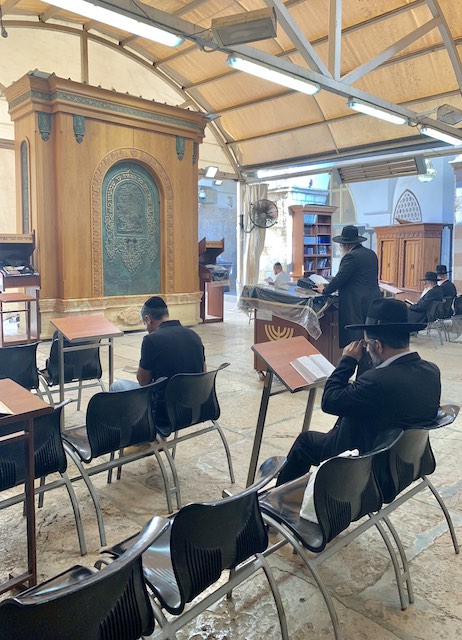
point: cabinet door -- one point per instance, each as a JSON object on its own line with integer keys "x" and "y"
{"x": 410, "y": 273}
{"x": 387, "y": 259}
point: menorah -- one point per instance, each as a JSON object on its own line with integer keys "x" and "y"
{"x": 278, "y": 333}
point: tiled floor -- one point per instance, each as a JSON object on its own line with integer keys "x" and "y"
{"x": 360, "y": 577}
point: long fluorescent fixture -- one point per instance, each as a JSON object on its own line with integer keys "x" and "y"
{"x": 261, "y": 71}
{"x": 119, "y": 21}
{"x": 370, "y": 110}
{"x": 440, "y": 135}
{"x": 211, "y": 172}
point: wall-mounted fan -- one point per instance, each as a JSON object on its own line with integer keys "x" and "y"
{"x": 263, "y": 214}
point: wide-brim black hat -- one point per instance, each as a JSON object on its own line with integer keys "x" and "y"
{"x": 388, "y": 314}
{"x": 349, "y": 235}
{"x": 430, "y": 276}
{"x": 441, "y": 270}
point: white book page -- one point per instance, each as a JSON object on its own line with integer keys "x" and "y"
{"x": 317, "y": 279}
{"x": 323, "y": 363}
{"x": 308, "y": 369}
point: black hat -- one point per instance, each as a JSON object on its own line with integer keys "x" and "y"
{"x": 349, "y": 235}
{"x": 388, "y": 314}
{"x": 441, "y": 270}
{"x": 430, "y": 276}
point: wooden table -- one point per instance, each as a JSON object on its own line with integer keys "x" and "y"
{"x": 20, "y": 426}
{"x": 17, "y": 298}
{"x": 91, "y": 328}
{"x": 277, "y": 356}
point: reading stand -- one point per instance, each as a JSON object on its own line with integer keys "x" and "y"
{"x": 277, "y": 356}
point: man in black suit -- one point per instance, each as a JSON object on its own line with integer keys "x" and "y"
{"x": 432, "y": 293}
{"x": 401, "y": 391}
{"x": 448, "y": 289}
{"x": 356, "y": 283}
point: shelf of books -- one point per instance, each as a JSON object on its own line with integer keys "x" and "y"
{"x": 311, "y": 240}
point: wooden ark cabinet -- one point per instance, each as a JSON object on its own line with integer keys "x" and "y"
{"x": 311, "y": 240}
{"x": 406, "y": 252}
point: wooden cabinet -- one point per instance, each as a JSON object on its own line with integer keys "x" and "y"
{"x": 311, "y": 240}
{"x": 406, "y": 252}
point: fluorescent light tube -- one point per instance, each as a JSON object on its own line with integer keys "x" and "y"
{"x": 119, "y": 21}
{"x": 218, "y": 182}
{"x": 261, "y": 71}
{"x": 440, "y": 135}
{"x": 211, "y": 172}
{"x": 370, "y": 110}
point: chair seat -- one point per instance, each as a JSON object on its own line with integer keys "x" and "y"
{"x": 283, "y": 505}
{"x": 78, "y": 439}
{"x": 71, "y": 576}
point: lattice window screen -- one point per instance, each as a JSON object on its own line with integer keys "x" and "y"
{"x": 407, "y": 208}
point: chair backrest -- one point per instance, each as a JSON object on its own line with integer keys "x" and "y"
{"x": 435, "y": 311}
{"x": 78, "y": 365}
{"x": 191, "y": 399}
{"x": 447, "y": 308}
{"x": 20, "y": 364}
{"x": 209, "y": 538}
{"x": 411, "y": 457}
{"x": 111, "y": 604}
{"x": 345, "y": 489}
{"x": 120, "y": 419}
{"x": 457, "y": 306}
{"x": 49, "y": 453}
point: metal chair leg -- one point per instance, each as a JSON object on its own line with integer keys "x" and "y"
{"x": 77, "y": 517}
{"x": 228, "y": 452}
{"x": 446, "y": 513}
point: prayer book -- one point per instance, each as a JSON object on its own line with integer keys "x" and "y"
{"x": 313, "y": 368}
{"x": 317, "y": 279}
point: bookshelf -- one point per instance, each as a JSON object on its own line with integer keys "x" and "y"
{"x": 311, "y": 240}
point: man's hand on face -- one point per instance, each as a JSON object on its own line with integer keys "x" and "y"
{"x": 354, "y": 350}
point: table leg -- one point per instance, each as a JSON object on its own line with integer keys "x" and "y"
{"x": 27, "y": 307}
{"x": 309, "y": 409}
{"x": 111, "y": 361}
{"x": 30, "y": 503}
{"x": 61, "y": 365}
{"x": 1, "y": 324}
{"x": 259, "y": 429}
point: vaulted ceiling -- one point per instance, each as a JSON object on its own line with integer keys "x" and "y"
{"x": 403, "y": 55}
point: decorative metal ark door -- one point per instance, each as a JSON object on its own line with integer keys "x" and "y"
{"x": 130, "y": 231}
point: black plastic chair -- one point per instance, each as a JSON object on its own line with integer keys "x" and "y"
{"x": 85, "y": 604}
{"x": 345, "y": 490}
{"x": 410, "y": 460}
{"x": 191, "y": 399}
{"x": 438, "y": 312}
{"x": 49, "y": 458}
{"x": 79, "y": 366}
{"x": 202, "y": 541}
{"x": 19, "y": 363}
{"x": 115, "y": 421}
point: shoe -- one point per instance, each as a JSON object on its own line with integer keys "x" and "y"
{"x": 136, "y": 448}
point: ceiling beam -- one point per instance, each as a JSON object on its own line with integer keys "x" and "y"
{"x": 453, "y": 54}
{"x": 303, "y": 47}
{"x": 335, "y": 37}
{"x": 51, "y": 12}
{"x": 388, "y": 53}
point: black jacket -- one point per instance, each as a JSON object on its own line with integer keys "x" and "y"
{"x": 356, "y": 283}
{"x": 418, "y": 311}
{"x": 448, "y": 288}
{"x": 404, "y": 394}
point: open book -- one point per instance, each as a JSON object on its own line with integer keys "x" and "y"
{"x": 4, "y": 410}
{"x": 313, "y": 368}
{"x": 317, "y": 279}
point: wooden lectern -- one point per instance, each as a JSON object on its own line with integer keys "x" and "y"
{"x": 211, "y": 307}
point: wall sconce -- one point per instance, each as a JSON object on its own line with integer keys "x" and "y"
{"x": 202, "y": 194}
{"x": 429, "y": 174}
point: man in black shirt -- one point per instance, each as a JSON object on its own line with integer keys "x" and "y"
{"x": 448, "y": 289}
{"x": 168, "y": 349}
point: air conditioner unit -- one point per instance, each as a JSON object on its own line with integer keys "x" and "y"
{"x": 248, "y": 26}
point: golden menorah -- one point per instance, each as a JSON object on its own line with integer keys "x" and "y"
{"x": 278, "y": 333}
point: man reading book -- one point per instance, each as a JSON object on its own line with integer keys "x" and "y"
{"x": 402, "y": 390}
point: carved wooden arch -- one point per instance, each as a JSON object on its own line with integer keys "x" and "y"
{"x": 166, "y": 213}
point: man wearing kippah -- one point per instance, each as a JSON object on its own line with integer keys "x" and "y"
{"x": 168, "y": 349}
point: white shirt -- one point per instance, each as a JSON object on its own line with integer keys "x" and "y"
{"x": 281, "y": 278}
{"x": 385, "y": 363}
